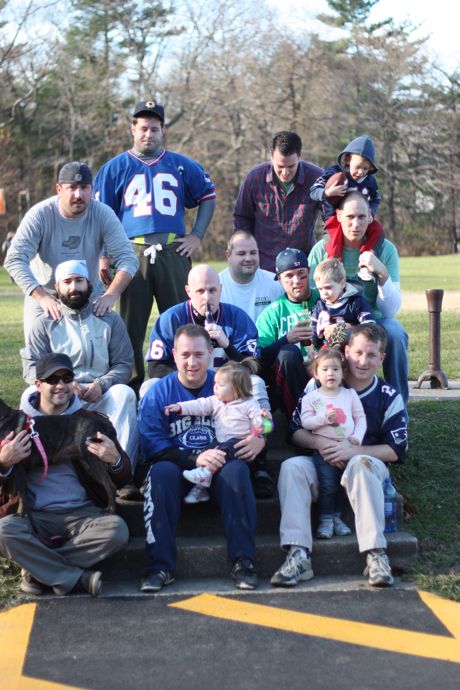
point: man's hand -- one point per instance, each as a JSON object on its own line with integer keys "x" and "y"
{"x": 374, "y": 265}
{"x": 50, "y": 306}
{"x": 187, "y": 245}
{"x": 105, "y": 274}
{"x": 212, "y": 458}
{"x": 14, "y": 449}
{"x": 338, "y": 453}
{"x": 104, "y": 448}
{"x": 249, "y": 448}
{"x": 104, "y": 304}
{"x": 299, "y": 333}
{"x": 216, "y": 333}
{"x": 91, "y": 393}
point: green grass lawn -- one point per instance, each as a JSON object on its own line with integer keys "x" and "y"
{"x": 429, "y": 478}
{"x": 429, "y": 481}
{"x": 428, "y": 272}
{"x": 416, "y": 325}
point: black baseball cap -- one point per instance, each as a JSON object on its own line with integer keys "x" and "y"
{"x": 75, "y": 173}
{"x": 288, "y": 259}
{"x": 149, "y": 108}
{"x": 49, "y": 364}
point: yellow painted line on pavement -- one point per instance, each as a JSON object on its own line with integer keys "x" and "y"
{"x": 15, "y": 628}
{"x": 447, "y": 611}
{"x": 339, "y": 629}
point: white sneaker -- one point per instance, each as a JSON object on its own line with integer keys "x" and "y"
{"x": 378, "y": 569}
{"x": 295, "y": 569}
{"x": 197, "y": 495}
{"x": 200, "y": 476}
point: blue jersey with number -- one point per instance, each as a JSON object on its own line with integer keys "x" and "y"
{"x": 150, "y": 197}
{"x": 187, "y": 432}
{"x": 236, "y": 324}
{"x": 385, "y": 416}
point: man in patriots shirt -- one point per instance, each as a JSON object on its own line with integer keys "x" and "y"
{"x": 365, "y": 467}
{"x": 233, "y": 335}
{"x": 173, "y": 443}
{"x": 149, "y": 188}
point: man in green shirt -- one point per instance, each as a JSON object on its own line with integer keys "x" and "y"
{"x": 380, "y": 285}
{"x": 284, "y": 333}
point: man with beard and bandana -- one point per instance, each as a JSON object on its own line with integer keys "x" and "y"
{"x": 99, "y": 348}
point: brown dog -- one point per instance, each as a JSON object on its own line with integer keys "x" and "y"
{"x": 64, "y": 438}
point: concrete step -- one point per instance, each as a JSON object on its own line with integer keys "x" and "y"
{"x": 201, "y": 547}
{"x": 202, "y": 519}
{"x": 224, "y": 586}
{"x": 206, "y": 557}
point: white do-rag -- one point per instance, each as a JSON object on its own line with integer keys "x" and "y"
{"x": 74, "y": 267}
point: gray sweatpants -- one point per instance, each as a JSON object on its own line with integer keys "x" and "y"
{"x": 91, "y": 535}
{"x": 362, "y": 479}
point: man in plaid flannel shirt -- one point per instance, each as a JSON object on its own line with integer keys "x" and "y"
{"x": 274, "y": 202}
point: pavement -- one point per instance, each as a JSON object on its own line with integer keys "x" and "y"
{"x": 425, "y": 392}
{"x": 322, "y": 635}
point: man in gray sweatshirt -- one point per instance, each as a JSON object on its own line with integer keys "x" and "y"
{"x": 70, "y": 225}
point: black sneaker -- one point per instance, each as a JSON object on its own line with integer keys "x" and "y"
{"x": 153, "y": 581}
{"x": 244, "y": 574}
{"x": 264, "y": 486}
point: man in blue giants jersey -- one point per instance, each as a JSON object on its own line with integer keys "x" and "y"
{"x": 171, "y": 444}
{"x": 365, "y": 466}
{"x": 233, "y": 333}
{"x": 149, "y": 189}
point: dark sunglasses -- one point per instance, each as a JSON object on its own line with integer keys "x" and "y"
{"x": 55, "y": 378}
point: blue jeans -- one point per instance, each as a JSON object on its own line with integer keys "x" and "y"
{"x": 396, "y": 363}
{"x": 330, "y": 496}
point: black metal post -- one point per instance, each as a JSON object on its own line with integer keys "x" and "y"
{"x": 434, "y": 373}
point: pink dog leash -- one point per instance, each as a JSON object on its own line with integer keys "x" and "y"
{"x": 35, "y": 436}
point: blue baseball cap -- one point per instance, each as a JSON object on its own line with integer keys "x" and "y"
{"x": 288, "y": 259}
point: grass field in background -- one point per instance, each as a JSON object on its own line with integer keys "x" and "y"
{"x": 430, "y": 272}
{"x": 417, "y": 274}
{"x": 429, "y": 478}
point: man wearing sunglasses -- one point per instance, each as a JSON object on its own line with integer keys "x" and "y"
{"x": 75, "y": 531}
{"x": 100, "y": 351}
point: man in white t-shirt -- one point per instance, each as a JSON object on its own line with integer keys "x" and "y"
{"x": 244, "y": 284}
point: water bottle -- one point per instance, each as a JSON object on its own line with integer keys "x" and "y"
{"x": 391, "y": 506}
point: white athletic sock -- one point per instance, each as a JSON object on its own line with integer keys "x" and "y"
{"x": 299, "y": 551}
